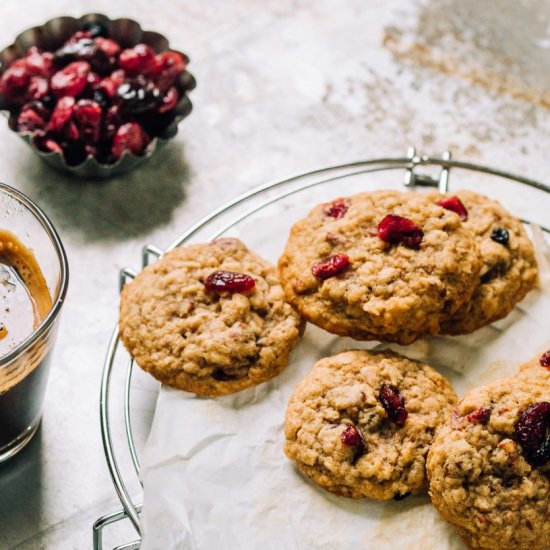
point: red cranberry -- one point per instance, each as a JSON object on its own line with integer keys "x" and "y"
{"x": 337, "y": 208}
{"x": 130, "y": 137}
{"x": 111, "y": 122}
{"x": 532, "y": 433}
{"x": 137, "y": 60}
{"x": 168, "y": 66}
{"x": 481, "y": 416}
{"x": 38, "y": 88}
{"x": 87, "y": 115}
{"x": 394, "y": 403}
{"x": 14, "y": 81}
{"x": 545, "y": 359}
{"x": 228, "y": 281}
{"x": 71, "y": 80}
{"x": 331, "y": 266}
{"x": 111, "y": 83}
{"x": 48, "y": 144}
{"x": 352, "y": 438}
{"x": 62, "y": 113}
{"x": 32, "y": 117}
{"x": 454, "y": 204}
{"x": 109, "y": 47}
{"x": 169, "y": 101}
{"x": 396, "y": 229}
{"x": 39, "y": 63}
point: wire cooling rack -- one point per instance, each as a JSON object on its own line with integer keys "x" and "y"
{"x": 418, "y": 172}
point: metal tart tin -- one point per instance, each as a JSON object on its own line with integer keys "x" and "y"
{"x": 127, "y": 33}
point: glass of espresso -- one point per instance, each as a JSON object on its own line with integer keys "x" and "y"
{"x": 33, "y": 285}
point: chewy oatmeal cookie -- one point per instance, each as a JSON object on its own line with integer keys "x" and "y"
{"x": 360, "y": 423}
{"x": 489, "y": 467}
{"x": 209, "y": 319}
{"x": 383, "y": 265}
{"x": 509, "y": 269}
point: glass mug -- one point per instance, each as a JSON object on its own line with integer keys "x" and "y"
{"x": 24, "y": 368}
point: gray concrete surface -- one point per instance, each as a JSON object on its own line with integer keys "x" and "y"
{"x": 283, "y": 86}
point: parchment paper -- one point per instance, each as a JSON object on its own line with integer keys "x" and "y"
{"x": 215, "y": 475}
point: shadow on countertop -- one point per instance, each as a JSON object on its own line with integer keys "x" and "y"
{"x": 119, "y": 208}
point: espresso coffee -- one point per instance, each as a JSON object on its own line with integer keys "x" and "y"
{"x": 24, "y": 303}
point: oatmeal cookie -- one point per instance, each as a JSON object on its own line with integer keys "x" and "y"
{"x": 509, "y": 269}
{"x": 489, "y": 467}
{"x": 360, "y": 423}
{"x": 383, "y": 265}
{"x": 209, "y": 319}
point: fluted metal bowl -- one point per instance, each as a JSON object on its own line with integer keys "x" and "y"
{"x": 127, "y": 33}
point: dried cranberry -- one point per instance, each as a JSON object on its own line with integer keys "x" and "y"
{"x": 107, "y": 46}
{"x": 353, "y": 438}
{"x": 111, "y": 122}
{"x": 130, "y": 137}
{"x": 169, "y": 101}
{"x": 532, "y": 433}
{"x": 228, "y": 281}
{"x": 62, "y": 113}
{"x": 337, "y": 208}
{"x": 71, "y": 80}
{"x": 394, "y": 403}
{"x": 14, "y": 81}
{"x": 137, "y": 60}
{"x": 47, "y": 144}
{"x": 80, "y": 47}
{"x": 396, "y": 229}
{"x": 331, "y": 266}
{"x": 138, "y": 96}
{"x": 38, "y": 88}
{"x": 454, "y": 204}
{"x": 87, "y": 115}
{"x": 111, "y": 83}
{"x": 33, "y": 117}
{"x": 168, "y": 66}
{"x": 39, "y": 63}
{"x": 545, "y": 359}
{"x": 481, "y": 416}
{"x": 500, "y": 235}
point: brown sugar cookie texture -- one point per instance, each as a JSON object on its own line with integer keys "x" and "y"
{"x": 383, "y": 265}
{"x": 360, "y": 423}
{"x": 509, "y": 269}
{"x": 209, "y": 319}
{"x": 489, "y": 467}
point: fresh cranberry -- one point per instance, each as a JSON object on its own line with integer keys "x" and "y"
{"x": 62, "y": 113}
{"x": 394, "y": 403}
{"x": 130, "y": 137}
{"x": 481, "y": 416}
{"x": 532, "y": 433}
{"x": 71, "y": 80}
{"x": 169, "y": 101}
{"x": 337, "y": 208}
{"x": 396, "y": 229}
{"x": 137, "y": 60}
{"x": 454, "y": 204}
{"x": 87, "y": 115}
{"x": 545, "y": 359}
{"x": 228, "y": 281}
{"x": 168, "y": 66}
{"x": 331, "y": 266}
{"x": 352, "y": 438}
{"x": 32, "y": 117}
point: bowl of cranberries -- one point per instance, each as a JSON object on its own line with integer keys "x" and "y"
{"x": 94, "y": 96}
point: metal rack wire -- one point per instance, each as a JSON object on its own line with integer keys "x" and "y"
{"x": 224, "y": 215}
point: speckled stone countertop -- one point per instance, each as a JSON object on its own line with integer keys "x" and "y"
{"x": 283, "y": 86}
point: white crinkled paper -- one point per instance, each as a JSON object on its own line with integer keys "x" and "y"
{"x": 215, "y": 475}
